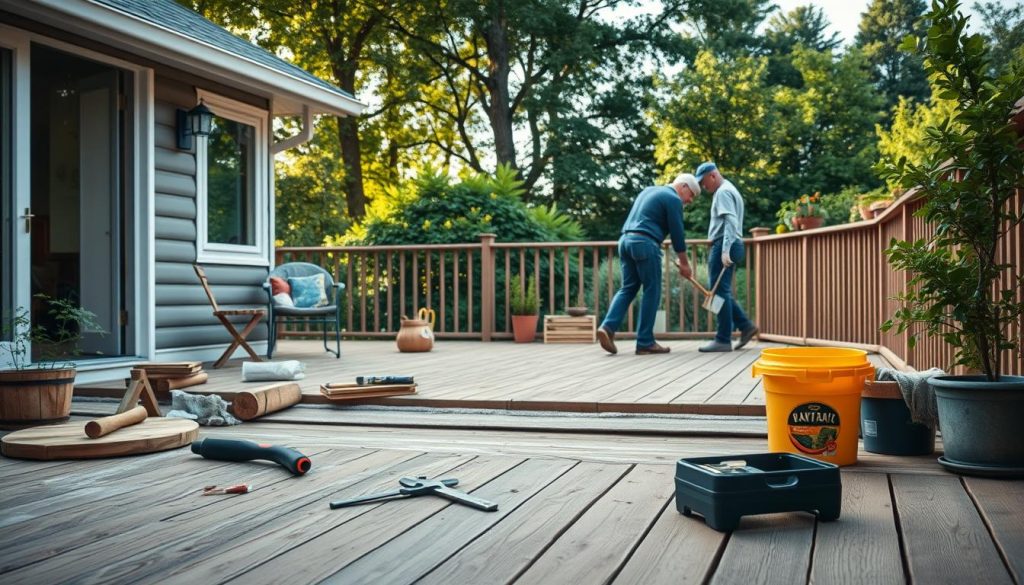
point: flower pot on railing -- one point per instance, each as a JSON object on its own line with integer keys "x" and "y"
{"x": 808, "y": 222}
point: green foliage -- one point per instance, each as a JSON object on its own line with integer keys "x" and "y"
{"x": 954, "y": 291}
{"x": 804, "y": 26}
{"x": 523, "y": 301}
{"x": 803, "y": 206}
{"x": 881, "y": 30}
{"x": 55, "y": 348}
{"x": 433, "y": 210}
{"x": 1004, "y": 29}
{"x": 907, "y": 135}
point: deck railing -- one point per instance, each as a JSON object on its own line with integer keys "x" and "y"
{"x": 467, "y": 285}
{"x": 833, "y": 285}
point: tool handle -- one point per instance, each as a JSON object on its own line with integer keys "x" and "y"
{"x": 379, "y": 380}
{"x": 467, "y": 499}
{"x": 719, "y": 280}
{"x": 699, "y": 286}
{"x": 242, "y": 450}
{"x": 108, "y": 424}
{"x": 365, "y": 499}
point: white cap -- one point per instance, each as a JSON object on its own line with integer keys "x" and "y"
{"x": 690, "y": 181}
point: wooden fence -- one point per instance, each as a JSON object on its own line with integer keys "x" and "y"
{"x": 467, "y": 285}
{"x": 833, "y": 286}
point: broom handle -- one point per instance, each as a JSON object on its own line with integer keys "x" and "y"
{"x": 720, "y": 275}
{"x": 697, "y": 284}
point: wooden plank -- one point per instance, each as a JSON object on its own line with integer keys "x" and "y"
{"x": 999, "y": 501}
{"x": 594, "y": 548}
{"x": 64, "y": 522}
{"x": 944, "y": 537}
{"x": 767, "y": 549}
{"x": 220, "y": 562}
{"x": 68, "y": 440}
{"x": 361, "y": 541}
{"x": 863, "y": 545}
{"x": 119, "y": 556}
{"x": 416, "y": 551}
{"x": 676, "y": 551}
{"x": 503, "y": 552}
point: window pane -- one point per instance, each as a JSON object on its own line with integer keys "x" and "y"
{"x": 230, "y": 188}
{"x": 7, "y": 209}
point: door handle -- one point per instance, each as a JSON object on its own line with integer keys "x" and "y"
{"x": 28, "y": 219}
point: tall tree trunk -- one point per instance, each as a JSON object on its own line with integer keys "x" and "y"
{"x": 500, "y": 112}
{"x": 348, "y": 136}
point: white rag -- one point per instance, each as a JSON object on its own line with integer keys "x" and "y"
{"x": 272, "y": 371}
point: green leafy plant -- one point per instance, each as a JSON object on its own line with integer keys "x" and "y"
{"x": 55, "y": 348}
{"x": 968, "y": 182}
{"x": 804, "y": 206}
{"x": 523, "y": 301}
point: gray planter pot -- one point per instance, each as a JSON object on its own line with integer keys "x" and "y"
{"x": 981, "y": 421}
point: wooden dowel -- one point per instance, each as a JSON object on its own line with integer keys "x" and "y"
{"x": 95, "y": 429}
{"x": 251, "y": 404}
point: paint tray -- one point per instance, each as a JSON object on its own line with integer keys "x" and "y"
{"x": 725, "y": 488}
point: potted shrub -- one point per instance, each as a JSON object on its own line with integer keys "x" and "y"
{"x": 523, "y": 304}
{"x": 868, "y": 202}
{"x": 805, "y": 213}
{"x": 40, "y": 392}
{"x": 955, "y": 290}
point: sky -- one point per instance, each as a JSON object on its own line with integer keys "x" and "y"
{"x": 845, "y": 14}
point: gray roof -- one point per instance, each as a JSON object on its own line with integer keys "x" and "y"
{"x": 171, "y": 15}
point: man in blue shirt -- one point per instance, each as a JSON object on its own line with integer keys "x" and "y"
{"x": 726, "y": 234}
{"x": 656, "y": 212}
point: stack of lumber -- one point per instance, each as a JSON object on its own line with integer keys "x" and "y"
{"x": 566, "y": 329}
{"x": 342, "y": 391}
{"x": 169, "y": 376}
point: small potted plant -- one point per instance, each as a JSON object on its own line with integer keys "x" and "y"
{"x": 523, "y": 304}
{"x": 805, "y": 213}
{"x": 868, "y": 203}
{"x": 960, "y": 289}
{"x": 33, "y": 393}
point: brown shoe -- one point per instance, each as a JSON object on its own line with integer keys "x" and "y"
{"x": 652, "y": 349}
{"x": 607, "y": 340}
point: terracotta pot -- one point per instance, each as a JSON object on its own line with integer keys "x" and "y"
{"x": 878, "y": 207}
{"x": 865, "y": 212}
{"x": 808, "y": 223}
{"x": 35, "y": 397}
{"x": 415, "y": 336}
{"x": 524, "y": 327}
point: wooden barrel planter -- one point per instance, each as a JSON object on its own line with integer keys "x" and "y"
{"x": 35, "y": 397}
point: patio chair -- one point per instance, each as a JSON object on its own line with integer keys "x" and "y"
{"x": 237, "y": 338}
{"x": 327, "y": 315}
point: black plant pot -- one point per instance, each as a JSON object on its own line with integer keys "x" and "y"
{"x": 980, "y": 423}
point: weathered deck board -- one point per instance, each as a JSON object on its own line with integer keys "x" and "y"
{"x": 945, "y": 538}
{"x": 505, "y": 375}
{"x": 575, "y": 507}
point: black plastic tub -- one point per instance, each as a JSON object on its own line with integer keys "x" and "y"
{"x": 724, "y": 489}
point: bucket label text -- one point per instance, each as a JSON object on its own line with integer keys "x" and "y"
{"x": 814, "y": 428}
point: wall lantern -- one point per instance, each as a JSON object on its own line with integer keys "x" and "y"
{"x": 195, "y": 122}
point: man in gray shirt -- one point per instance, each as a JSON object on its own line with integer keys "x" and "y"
{"x": 656, "y": 212}
{"x": 726, "y": 234}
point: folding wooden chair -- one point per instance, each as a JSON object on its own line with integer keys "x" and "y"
{"x": 222, "y": 315}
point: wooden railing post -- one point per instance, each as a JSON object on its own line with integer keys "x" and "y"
{"x": 758, "y": 232}
{"x": 486, "y": 286}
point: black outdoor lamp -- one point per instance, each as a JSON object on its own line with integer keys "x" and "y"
{"x": 195, "y": 122}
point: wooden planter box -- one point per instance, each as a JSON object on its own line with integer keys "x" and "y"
{"x": 566, "y": 329}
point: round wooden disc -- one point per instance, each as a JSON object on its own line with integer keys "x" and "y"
{"x": 69, "y": 441}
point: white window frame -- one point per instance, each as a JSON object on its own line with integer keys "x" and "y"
{"x": 257, "y": 254}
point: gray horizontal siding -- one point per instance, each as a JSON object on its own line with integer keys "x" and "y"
{"x": 184, "y": 317}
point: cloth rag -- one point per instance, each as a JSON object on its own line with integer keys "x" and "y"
{"x": 208, "y": 410}
{"x": 272, "y": 371}
{"x": 917, "y": 393}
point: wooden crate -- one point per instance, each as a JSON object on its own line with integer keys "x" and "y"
{"x": 566, "y": 329}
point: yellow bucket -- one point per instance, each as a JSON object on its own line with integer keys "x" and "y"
{"x": 812, "y": 400}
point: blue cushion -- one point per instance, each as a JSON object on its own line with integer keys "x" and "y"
{"x": 308, "y": 291}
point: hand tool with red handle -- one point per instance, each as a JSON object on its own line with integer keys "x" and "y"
{"x": 241, "y": 450}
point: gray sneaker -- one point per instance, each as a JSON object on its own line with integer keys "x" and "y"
{"x": 746, "y": 336}
{"x": 715, "y": 346}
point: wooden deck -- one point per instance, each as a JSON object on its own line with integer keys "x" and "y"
{"x": 535, "y": 376}
{"x": 573, "y": 508}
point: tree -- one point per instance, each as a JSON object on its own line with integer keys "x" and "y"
{"x": 907, "y": 137}
{"x": 337, "y": 40}
{"x": 804, "y": 26}
{"x": 1004, "y": 31}
{"x": 729, "y": 28}
{"x": 881, "y": 31}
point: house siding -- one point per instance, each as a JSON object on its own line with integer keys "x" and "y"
{"x": 183, "y": 314}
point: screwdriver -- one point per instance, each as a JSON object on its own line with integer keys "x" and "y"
{"x": 242, "y": 450}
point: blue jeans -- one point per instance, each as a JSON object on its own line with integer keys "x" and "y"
{"x": 640, "y": 257}
{"x": 731, "y": 317}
